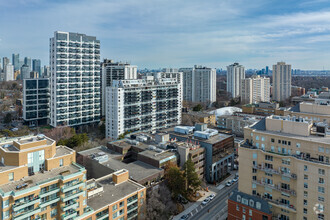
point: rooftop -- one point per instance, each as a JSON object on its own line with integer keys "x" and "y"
{"x": 157, "y": 155}
{"x": 250, "y": 201}
{"x": 111, "y": 192}
{"x": 40, "y": 178}
{"x": 199, "y": 114}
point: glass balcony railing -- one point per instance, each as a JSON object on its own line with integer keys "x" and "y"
{"x": 72, "y": 186}
{"x": 28, "y": 202}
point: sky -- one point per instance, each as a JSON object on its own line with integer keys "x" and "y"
{"x": 176, "y": 33}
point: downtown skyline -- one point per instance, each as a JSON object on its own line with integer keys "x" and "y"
{"x": 153, "y": 34}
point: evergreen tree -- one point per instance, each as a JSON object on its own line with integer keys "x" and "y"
{"x": 192, "y": 180}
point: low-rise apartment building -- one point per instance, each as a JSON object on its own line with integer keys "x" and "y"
{"x": 202, "y": 117}
{"x": 285, "y": 160}
{"x": 263, "y": 108}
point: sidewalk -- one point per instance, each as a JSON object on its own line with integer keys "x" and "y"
{"x": 223, "y": 184}
{"x": 194, "y": 205}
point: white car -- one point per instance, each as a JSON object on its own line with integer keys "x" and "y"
{"x": 211, "y": 196}
{"x": 229, "y": 183}
{"x": 207, "y": 200}
{"x": 235, "y": 179}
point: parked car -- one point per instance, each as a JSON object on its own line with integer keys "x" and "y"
{"x": 211, "y": 196}
{"x": 229, "y": 183}
{"x": 184, "y": 217}
{"x": 207, "y": 200}
{"x": 235, "y": 179}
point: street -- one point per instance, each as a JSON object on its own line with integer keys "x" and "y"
{"x": 215, "y": 206}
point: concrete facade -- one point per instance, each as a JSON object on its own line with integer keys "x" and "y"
{"x": 281, "y": 81}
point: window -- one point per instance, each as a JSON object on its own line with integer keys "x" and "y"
{"x": 321, "y": 199}
{"x": 42, "y": 155}
{"x": 237, "y": 207}
{"x": 121, "y": 204}
{"x": 305, "y": 177}
{"x": 254, "y": 186}
{"x": 321, "y": 189}
{"x": 321, "y": 171}
{"x": 30, "y": 158}
{"x": 114, "y": 208}
{"x": 255, "y": 155}
{"x": 251, "y": 203}
{"x": 84, "y": 202}
{"x": 305, "y": 211}
{"x": 305, "y": 202}
{"x": 6, "y": 215}
{"x": 61, "y": 162}
{"x": 243, "y": 210}
{"x": 272, "y": 140}
{"x": 267, "y": 157}
{"x": 258, "y": 205}
{"x": 6, "y": 203}
{"x": 257, "y": 137}
{"x": 306, "y": 185}
{"x": 262, "y": 138}
{"x": 11, "y": 176}
{"x": 272, "y": 149}
{"x": 298, "y": 145}
{"x": 250, "y": 212}
{"x": 321, "y": 149}
{"x": 305, "y": 194}
{"x": 53, "y": 212}
{"x": 321, "y": 180}
{"x": 306, "y": 168}
{"x": 238, "y": 198}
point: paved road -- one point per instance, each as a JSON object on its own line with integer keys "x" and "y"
{"x": 215, "y": 206}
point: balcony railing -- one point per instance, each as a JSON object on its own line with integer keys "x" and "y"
{"x": 280, "y": 204}
{"x": 20, "y": 205}
{"x": 275, "y": 186}
{"x": 273, "y": 171}
{"x": 69, "y": 187}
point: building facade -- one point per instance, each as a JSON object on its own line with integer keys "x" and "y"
{"x": 36, "y": 66}
{"x": 285, "y": 160}
{"x": 75, "y": 79}
{"x": 255, "y": 89}
{"x": 235, "y": 75}
{"x": 199, "y": 84}
{"x": 9, "y": 72}
{"x": 142, "y": 105}
{"x": 263, "y": 108}
{"x": 36, "y": 98}
{"x": 110, "y": 71}
{"x": 281, "y": 81}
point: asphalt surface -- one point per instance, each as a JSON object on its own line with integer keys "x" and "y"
{"x": 212, "y": 209}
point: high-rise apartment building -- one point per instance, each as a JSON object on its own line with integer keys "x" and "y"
{"x": 199, "y": 84}
{"x": 142, "y": 105}
{"x": 36, "y": 97}
{"x": 36, "y": 66}
{"x": 16, "y": 62}
{"x": 9, "y": 72}
{"x": 27, "y": 61}
{"x": 255, "y": 89}
{"x": 40, "y": 180}
{"x": 281, "y": 81}
{"x": 286, "y": 161}
{"x": 5, "y": 61}
{"x": 235, "y": 75}
{"x": 75, "y": 79}
{"x": 110, "y": 71}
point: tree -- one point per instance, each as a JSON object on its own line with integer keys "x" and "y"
{"x": 192, "y": 180}
{"x": 175, "y": 180}
{"x": 198, "y": 108}
{"x": 8, "y": 118}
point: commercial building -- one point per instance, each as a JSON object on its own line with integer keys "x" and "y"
{"x": 202, "y": 117}
{"x": 110, "y": 71}
{"x": 285, "y": 160}
{"x": 297, "y": 91}
{"x": 237, "y": 122}
{"x": 142, "y": 105}
{"x": 199, "y": 84}
{"x": 263, "y": 108}
{"x": 281, "y": 81}
{"x": 25, "y": 72}
{"x": 219, "y": 148}
{"x": 36, "y": 66}
{"x": 16, "y": 62}
{"x": 235, "y": 75}
{"x": 9, "y": 72}
{"x": 36, "y": 97}
{"x": 245, "y": 206}
{"x": 75, "y": 79}
{"x": 255, "y": 89}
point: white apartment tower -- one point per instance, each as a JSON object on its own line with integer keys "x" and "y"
{"x": 75, "y": 79}
{"x": 199, "y": 84}
{"x": 9, "y": 72}
{"x": 255, "y": 89}
{"x": 281, "y": 81}
{"x": 142, "y": 105}
{"x": 110, "y": 71}
{"x": 235, "y": 74}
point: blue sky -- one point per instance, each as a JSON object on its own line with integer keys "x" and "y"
{"x": 176, "y": 33}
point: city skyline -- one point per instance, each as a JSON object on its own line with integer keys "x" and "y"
{"x": 177, "y": 34}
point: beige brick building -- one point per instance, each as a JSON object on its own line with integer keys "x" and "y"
{"x": 285, "y": 160}
{"x": 39, "y": 180}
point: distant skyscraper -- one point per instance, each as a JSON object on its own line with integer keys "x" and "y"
{"x": 235, "y": 74}
{"x": 115, "y": 71}
{"x": 255, "y": 89}
{"x": 36, "y": 66}
{"x": 25, "y": 72}
{"x": 75, "y": 79}
{"x": 267, "y": 70}
{"x": 281, "y": 81}
{"x": 16, "y": 62}
{"x": 199, "y": 84}
{"x": 5, "y": 62}
{"x": 9, "y": 72}
{"x": 27, "y": 61}
{"x": 45, "y": 71}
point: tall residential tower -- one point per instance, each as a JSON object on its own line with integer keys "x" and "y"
{"x": 235, "y": 74}
{"x": 281, "y": 81}
{"x": 75, "y": 79}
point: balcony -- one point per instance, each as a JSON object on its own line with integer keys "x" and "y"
{"x": 274, "y": 186}
{"x": 273, "y": 171}
{"x": 49, "y": 192}
{"x": 24, "y": 204}
{"x": 72, "y": 196}
{"x": 71, "y": 205}
{"x": 281, "y": 205}
{"x": 26, "y": 214}
{"x": 49, "y": 202}
{"x": 69, "y": 215}
{"x": 67, "y": 188}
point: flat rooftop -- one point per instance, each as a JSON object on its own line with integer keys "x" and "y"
{"x": 7, "y": 144}
{"x": 199, "y": 114}
{"x": 63, "y": 150}
{"x": 138, "y": 170}
{"x": 40, "y": 177}
{"x": 156, "y": 155}
{"x": 111, "y": 192}
{"x": 261, "y": 127}
{"x": 212, "y": 140}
